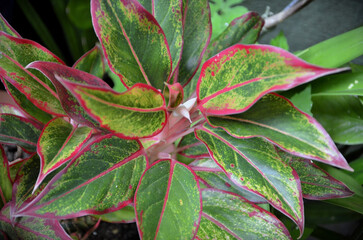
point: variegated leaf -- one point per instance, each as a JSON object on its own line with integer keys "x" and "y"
{"x": 5, "y": 179}
{"x": 5, "y": 27}
{"x": 233, "y": 80}
{"x": 168, "y": 202}
{"x": 279, "y": 121}
{"x": 133, "y": 42}
{"x": 254, "y": 165}
{"x": 191, "y": 147}
{"x": 92, "y": 62}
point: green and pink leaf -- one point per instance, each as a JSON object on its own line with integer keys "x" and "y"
{"x": 5, "y": 183}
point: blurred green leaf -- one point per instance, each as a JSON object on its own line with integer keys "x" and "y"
{"x": 335, "y": 51}
{"x": 357, "y": 165}
{"x": 280, "y": 41}
{"x": 79, "y": 12}
{"x": 356, "y": 68}
{"x": 341, "y": 116}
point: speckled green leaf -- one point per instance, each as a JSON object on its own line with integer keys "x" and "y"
{"x": 316, "y": 183}
{"x": 254, "y": 165}
{"x": 10, "y": 109}
{"x": 191, "y": 147}
{"x": 102, "y": 178}
{"x": 244, "y": 29}
{"x": 138, "y": 112}
{"x": 197, "y": 33}
{"x": 133, "y": 42}
{"x": 92, "y": 62}
{"x": 5, "y": 27}
{"x": 212, "y": 176}
{"x": 58, "y": 143}
{"x": 228, "y": 216}
{"x": 169, "y": 15}
{"x": 29, "y": 228}
{"x": 19, "y": 131}
{"x": 233, "y": 80}
{"x": 168, "y": 202}
{"x": 5, "y": 180}
{"x": 276, "y": 119}
{"x": 39, "y": 93}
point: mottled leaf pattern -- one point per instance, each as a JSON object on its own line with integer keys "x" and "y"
{"x": 133, "y": 42}
{"x": 279, "y": 121}
{"x": 5, "y": 180}
{"x": 167, "y": 191}
{"x": 254, "y": 165}
{"x": 228, "y": 216}
{"x": 191, "y": 147}
{"x": 233, "y": 80}
{"x": 92, "y": 62}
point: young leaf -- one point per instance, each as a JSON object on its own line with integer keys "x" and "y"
{"x": 169, "y": 15}
{"x": 276, "y": 119}
{"x": 280, "y": 41}
{"x": 133, "y": 42}
{"x": 58, "y": 74}
{"x": 168, "y": 202}
{"x": 138, "y": 112}
{"x": 174, "y": 95}
{"x": 92, "y": 62}
{"x": 5, "y": 183}
{"x": 254, "y": 165}
{"x": 229, "y": 216}
{"x": 58, "y": 143}
{"x": 102, "y": 178}
{"x": 316, "y": 183}
{"x": 197, "y": 33}
{"x": 341, "y": 116}
{"x": 232, "y": 81}
{"x": 19, "y": 131}
{"x": 31, "y": 228}
{"x": 5, "y": 27}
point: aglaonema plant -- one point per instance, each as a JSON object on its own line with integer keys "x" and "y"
{"x": 199, "y": 144}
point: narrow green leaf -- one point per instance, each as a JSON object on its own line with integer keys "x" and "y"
{"x": 276, "y": 119}
{"x": 341, "y": 116}
{"x": 168, "y": 202}
{"x": 280, "y": 41}
{"x": 229, "y": 216}
{"x": 343, "y": 84}
{"x": 102, "y": 178}
{"x": 78, "y": 12}
{"x": 31, "y": 228}
{"x": 58, "y": 143}
{"x": 138, "y": 112}
{"x": 19, "y": 131}
{"x": 316, "y": 183}
{"x": 197, "y": 33}
{"x": 254, "y": 165}
{"x": 133, "y": 42}
{"x": 357, "y": 165}
{"x": 92, "y": 62}
{"x": 6, "y": 185}
{"x": 5, "y": 27}
{"x": 336, "y": 51}
{"x": 124, "y": 215}
{"x": 232, "y": 81}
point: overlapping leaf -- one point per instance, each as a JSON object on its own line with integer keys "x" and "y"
{"x": 58, "y": 143}
{"x": 276, "y": 119}
{"x": 191, "y": 147}
{"x": 254, "y": 165}
{"x": 174, "y": 95}
{"x": 31, "y": 228}
{"x": 19, "y": 131}
{"x": 197, "y": 33}
{"x": 233, "y": 80}
{"x": 5, "y": 180}
{"x": 58, "y": 74}
{"x": 5, "y": 27}
{"x": 133, "y": 42}
{"x": 168, "y": 202}
{"x": 229, "y": 216}
{"x": 102, "y": 178}
{"x": 316, "y": 183}
{"x": 92, "y": 62}
{"x": 10, "y": 109}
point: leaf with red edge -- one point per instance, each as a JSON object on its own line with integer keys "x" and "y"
{"x": 169, "y": 15}
{"x": 59, "y": 142}
{"x": 10, "y": 109}
{"x": 138, "y": 112}
{"x": 316, "y": 183}
{"x": 168, "y": 201}
{"x": 19, "y": 131}
{"x": 31, "y": 228}
{"x": 174, "y": 95}
{"x": 233, "y": 80}
{"x": 133, "y": 42}
{"x": 280, "y": 122}
{"x": 102, "y": 178}
{"x": 254, "y": 165}
{"x": 5, "y": 27}
{"x": 229, "y": 216}
{"x": 197, "y": 34}
{"x": 5, "y": 180}
{"x": 191, "y": 147}
{"x": 58, "y": 74}
{"x": 92, "y": 62}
